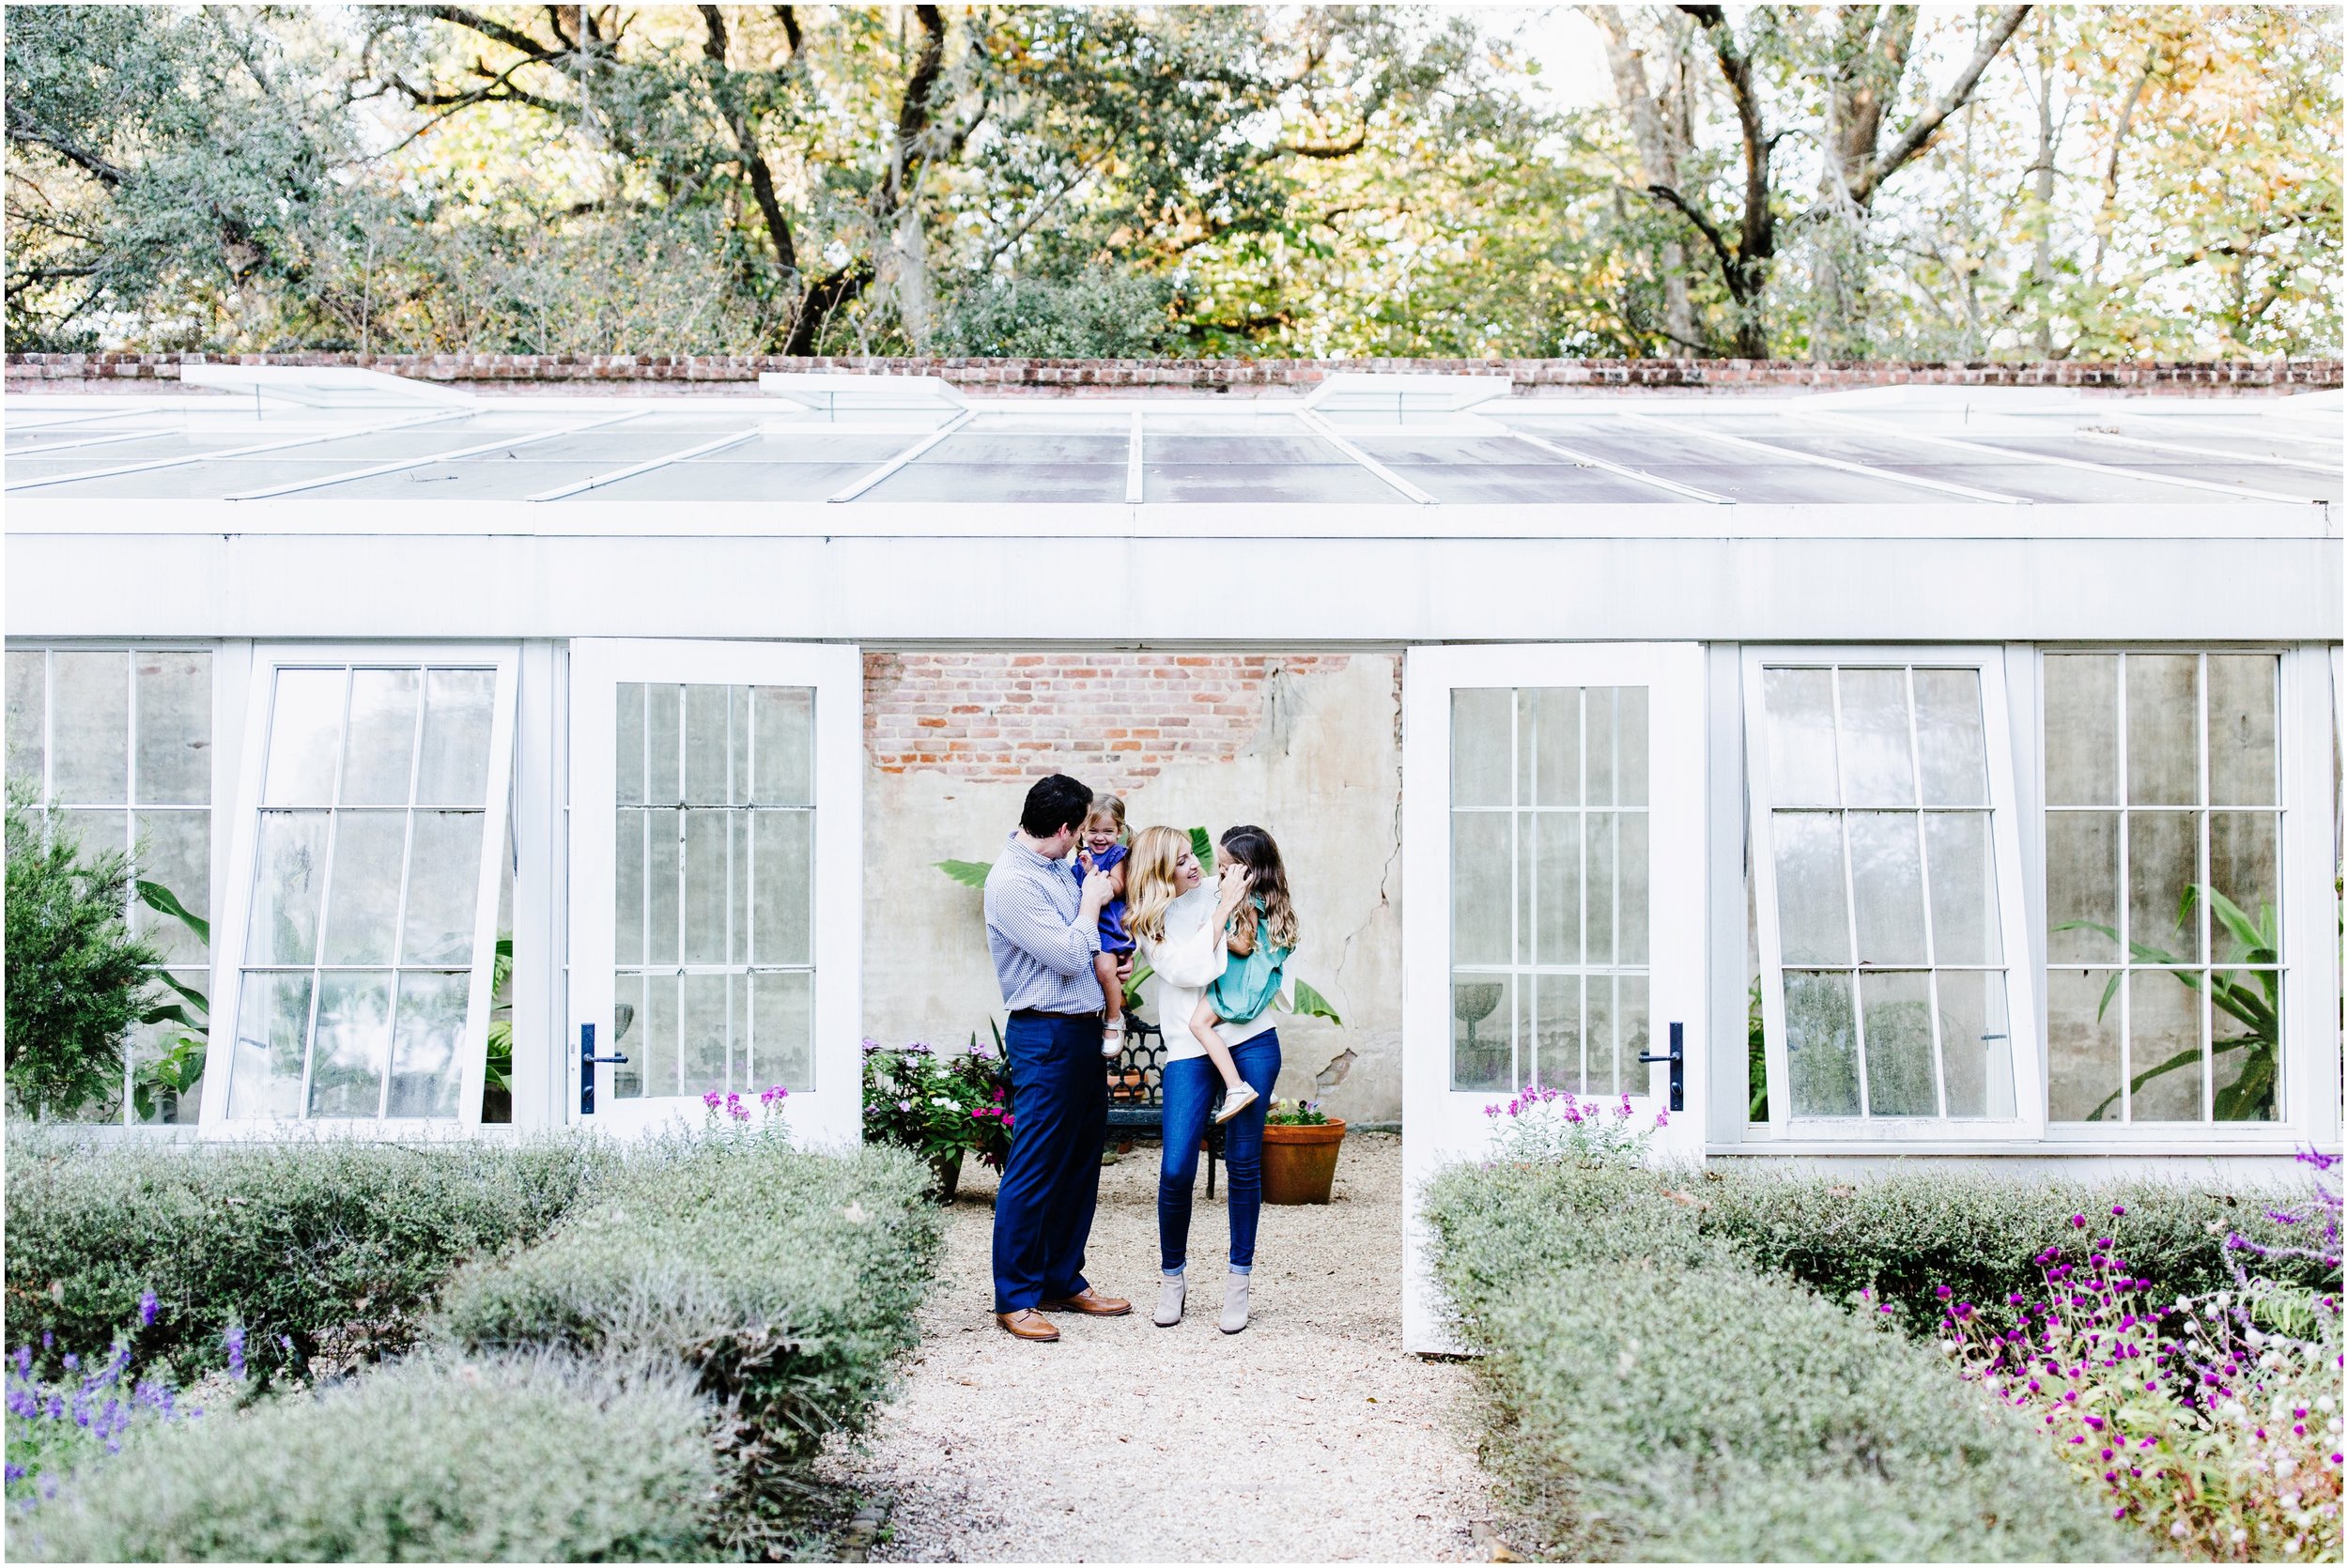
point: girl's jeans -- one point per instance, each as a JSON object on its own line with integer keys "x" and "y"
{"x": 1191, "y": 1088}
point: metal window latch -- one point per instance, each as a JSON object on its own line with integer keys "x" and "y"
{"x": 587, "y": 1060}
{"x": 1677, "y": 1057}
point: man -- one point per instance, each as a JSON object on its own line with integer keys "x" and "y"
{"x": 1043, "y": 930}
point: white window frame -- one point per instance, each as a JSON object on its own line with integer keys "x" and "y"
{"x": 235, "y": 878}
{"x": 2307, "y": 1059}
{"x": 2024, "y": 1009}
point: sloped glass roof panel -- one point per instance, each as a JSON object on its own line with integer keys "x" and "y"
{"x": 926, "y": 480}
{"x": 1257, "y": 449}
{"x": 1340, "y": 482}
{"x": 709, "y": 480}
{"x": 472, "y": 479}
{"x": 1524, "y": 483}
{"x": 1411, "y": 451}
{"x": 816, "y": 445}
{"x": 1765, "y": 483}
{"x": 194, "y": 481}
{"x": 2045, "y": 481}
{"x": 1027, "y": 451}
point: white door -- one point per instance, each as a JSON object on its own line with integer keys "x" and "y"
{"x": 715, "y": 912}
{"x": 1552, "y": 918}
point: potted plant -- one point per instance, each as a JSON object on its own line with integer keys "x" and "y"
{"x": 941, "y": 1105}
{"x": 1300, "y": 1151}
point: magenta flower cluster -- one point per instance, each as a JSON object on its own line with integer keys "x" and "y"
{"x": 770, "y": 1103}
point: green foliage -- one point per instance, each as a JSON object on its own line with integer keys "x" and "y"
{"x": 1309, "y": 1002}
{"x": 1655, "y": 1396}
{"x": 1095, "y": 315}
{"x": 500, "y": 1055}
{"x": 939, "y": 1105}
{"x": 787, "y": 1281}
{"x": 77, "y": 977}
{"x": 1296, "y": 1113}
{"x": 336, "y": 1245}
{"x": 176, "y": 1072}
{"x": 970, "y": 873}
{"x": 537, "y": 1459}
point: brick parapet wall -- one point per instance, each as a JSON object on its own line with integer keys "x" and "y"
{"x": 723, "y": 373}
{"x": 1113, "y": 718}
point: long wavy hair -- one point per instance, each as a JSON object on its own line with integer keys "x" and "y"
{"x": 1150, "y": 882}
{"x": 1267, "y": 879}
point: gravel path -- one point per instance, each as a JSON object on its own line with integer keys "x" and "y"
{"x": 1309, "y": 1438}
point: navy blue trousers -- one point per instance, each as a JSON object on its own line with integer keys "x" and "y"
{"x": 1060, "y": 1108}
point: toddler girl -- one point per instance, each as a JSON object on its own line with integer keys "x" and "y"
{"x": 1259, "y": 934}
{"x": 1102, "y": 849}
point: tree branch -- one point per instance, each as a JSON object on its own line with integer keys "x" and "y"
{"x": 1920, "y": 134}
{"x": 1705, "y": 226}
{"x": 22, "y": 129}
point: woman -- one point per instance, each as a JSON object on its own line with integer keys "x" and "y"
{"x": 1185, "y": 933}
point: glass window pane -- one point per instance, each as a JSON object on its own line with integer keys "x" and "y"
{"x": 362, "y": 900}
{"x": 1557, "y": 1059}
{"x": 1631, "y": 1037}
{"x": 90, "y": 726}
{"x": 27, "y": 710}
{"x": 784, "y": 742}
{"x": 352, "y": 1044}
{"x": 627, "y": 887}
{"x": 1602, "y": 1048}
{"x": 2245, "y": 1010}
{"x": 1899, "y": 1019}
{"x": 272, "y": 1027}
{"x": 174, "y": 729}
{"x": 2083, "y": 1045}
{"x": 2083, "y": 724}
{"x": 628, "y": 1037}
{"x": 2163, "y": 730}
{"x": 1598, "y": 912}
{"x": 2244, "y": 871}
{"x": 2242, "y": 729}
{"x": 1480, "y": 746}
{"x": 1556, "y": 882}
{"x": 657, "y": 1059}
{"x": 2161, "y": 868}
{"x": 703, "y": 897}
{"x": 782, "y": 1047}
{"x": 1800, "y": 708}
{"x": 2164, "y": 1045}
{"x": 664, "y": 721}
{"x": 1549, "y": 747}
{"x": 287, "y": 884}
{"x": 171, "y": 1107}
{"x": 1976, "y": 1050}
{"x": 1479, "y": 887}
{"x": 1631, "y": 906}
{"x": 379, "y": 755}
{"x": 306, "y": 735}
{"x": 782, "y": 896}
{"x": 627, "y": 760}
{"x": 709, "y": 720}
{"x": 661, "y": 831}
{"x": 1603, "y": 774}
{"x": 1964, "y": 883}
{"x": 443, "y": 881}
{"x": 1887, "y": 886}
{"x": 97, "y": 832}
{"x": 1630, "y": 753}
{"x": 1877, "y": 765}
{"x": 1481, "y": 1015}
{"x": 1813, "y": 924}
{"x": 1821, "y": 1044}
{"x": 1951, "y": 748}
{"x": 2082, "y": 887}
{"x": 454, "y": 769}
{"x": 426, "y": 1073}
{"x": 706, "y": 1034}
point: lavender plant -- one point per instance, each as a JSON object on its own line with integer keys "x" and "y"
{"x": 84, "y": 1413}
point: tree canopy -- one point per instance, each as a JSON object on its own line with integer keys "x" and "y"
{"x": 2023, "y": 181}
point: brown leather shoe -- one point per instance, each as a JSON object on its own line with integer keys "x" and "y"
{"x": 1028, "y": 1322}
{"x": 1092, "y": 1303}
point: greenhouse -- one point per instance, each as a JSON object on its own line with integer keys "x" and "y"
{"x": 1929, "y": 771}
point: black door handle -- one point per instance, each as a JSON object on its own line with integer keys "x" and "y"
{"x": 1677, "y": 1057}
{"x": 587, "y": 1060}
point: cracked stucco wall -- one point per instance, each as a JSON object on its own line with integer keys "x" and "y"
{"x": 1305, "y": 745}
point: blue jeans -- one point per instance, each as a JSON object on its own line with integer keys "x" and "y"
{"x": 1059, "y": 1107}
{"x": 1192, "y": 1088}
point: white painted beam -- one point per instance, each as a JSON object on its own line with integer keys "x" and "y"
{"x": 598, "y": 481}
{"x": 1328, "y": 433}
{"x": 310, "y": 440}
{"x": 1589, "y": 460}
{"x": 857, "y": 487}
{"x": 400, "y": 465}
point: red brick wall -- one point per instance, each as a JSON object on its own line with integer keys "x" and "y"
{"x": 1111, "y": 718}
{"x": 722, "y": 373}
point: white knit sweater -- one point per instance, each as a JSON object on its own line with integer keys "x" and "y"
{"x": 1182, "y": 964}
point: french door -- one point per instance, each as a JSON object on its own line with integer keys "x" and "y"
{"x": 1553, "y": 920}
{"x": 716, "y": 916}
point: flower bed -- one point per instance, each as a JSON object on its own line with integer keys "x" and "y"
{"x": 320, "y": 1251}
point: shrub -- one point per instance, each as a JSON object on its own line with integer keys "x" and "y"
{"x": 1658, "y": 1395}
{"x": 77, "y": 979}
{"x": 1544, "y": 1123}
{"x": 939, "y": 1104}
{"x": 325, "y": 1249}
{"x": 89, "y": 1410}
{"x": 787, "y": 1280}
{"x": 430, "y": 1460}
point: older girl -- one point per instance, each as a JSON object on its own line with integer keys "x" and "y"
{"x": 1186, "y": 934}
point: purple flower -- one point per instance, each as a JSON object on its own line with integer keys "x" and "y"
{"x": 712, "y": 1100}
{"x": 904, "y": 1105}
{"x": 234, "y": 1340}
{"x": 148, "y": 1307}
{"x": 72, "y": 1362}
{"x": 24, "y": 1359}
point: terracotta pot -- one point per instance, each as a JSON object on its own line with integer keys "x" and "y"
{"x": 946, "y": 1177}
{"x": 1299, "y": 1162}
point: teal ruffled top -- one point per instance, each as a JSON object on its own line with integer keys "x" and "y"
{"x": 1248, "y": 984}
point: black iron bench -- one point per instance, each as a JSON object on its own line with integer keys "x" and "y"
{"x": 1137, "y": 1095}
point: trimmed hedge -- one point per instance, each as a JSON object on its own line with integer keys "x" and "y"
{"x": 787, "y": 1280}
{"x": 432, "y": 1460}
{"x": 1658, "y": 1396}
{"x": 336, "y": 1245}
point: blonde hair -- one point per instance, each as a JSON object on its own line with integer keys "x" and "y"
{"x": 1109, "y": 807}
{"x": 1151, "y": 880}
